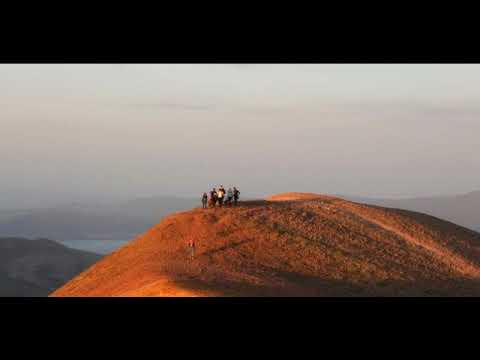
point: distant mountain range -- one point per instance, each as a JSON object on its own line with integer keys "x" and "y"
{"x": 123, "y": 220}
{"x": 37, "y": 267}
{"x": 460, "y": 209}
{"x": 113, "y": 221}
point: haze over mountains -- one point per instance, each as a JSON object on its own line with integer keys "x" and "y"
{"x": 114, "y": 221}
{"x": 123, "y": 220}
{"x": 293, "y": 244}
{"x": 101, "y": 135}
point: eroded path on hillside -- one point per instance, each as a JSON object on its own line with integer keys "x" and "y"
{"x": 443, "y": 254}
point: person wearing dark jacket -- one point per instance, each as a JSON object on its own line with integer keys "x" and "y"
{"x": 213, "y": 197}
{"x": 204, "y": 200}
{"x": 236, "y": 195}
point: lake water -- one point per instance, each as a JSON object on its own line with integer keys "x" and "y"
{"x": 102, "y": 247}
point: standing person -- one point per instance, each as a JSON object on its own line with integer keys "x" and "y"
{"x": 204, "y": 200}
{"x": 221, "y": 195}
{"x": 229, "y": 196}
{"x": 213, "y": 197}
{"x": 191, "y": 245}
{"x": 236, "y": 195}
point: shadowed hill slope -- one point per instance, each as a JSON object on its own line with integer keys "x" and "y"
{"x": 37, "y": 267}
{"x": 292, "y": 244}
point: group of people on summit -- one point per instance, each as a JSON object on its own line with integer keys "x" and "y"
{"x": 221, "y": 197}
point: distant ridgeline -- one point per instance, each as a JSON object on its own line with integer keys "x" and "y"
{"x": 116, "y": 221}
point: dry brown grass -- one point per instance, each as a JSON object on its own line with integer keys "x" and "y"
{"x": 291, "y": 245}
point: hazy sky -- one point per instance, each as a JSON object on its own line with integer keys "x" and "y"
{"x": 83, "y": 131}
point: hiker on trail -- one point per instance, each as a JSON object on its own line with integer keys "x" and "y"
{"x": 221, "y": 195}
{"x": 229, "y": 196}
{"x": 204, "y": 200}
{"x": 213, "y": 197}
{"x": 191, "y": 245}
{"x": 236, "y": 195}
